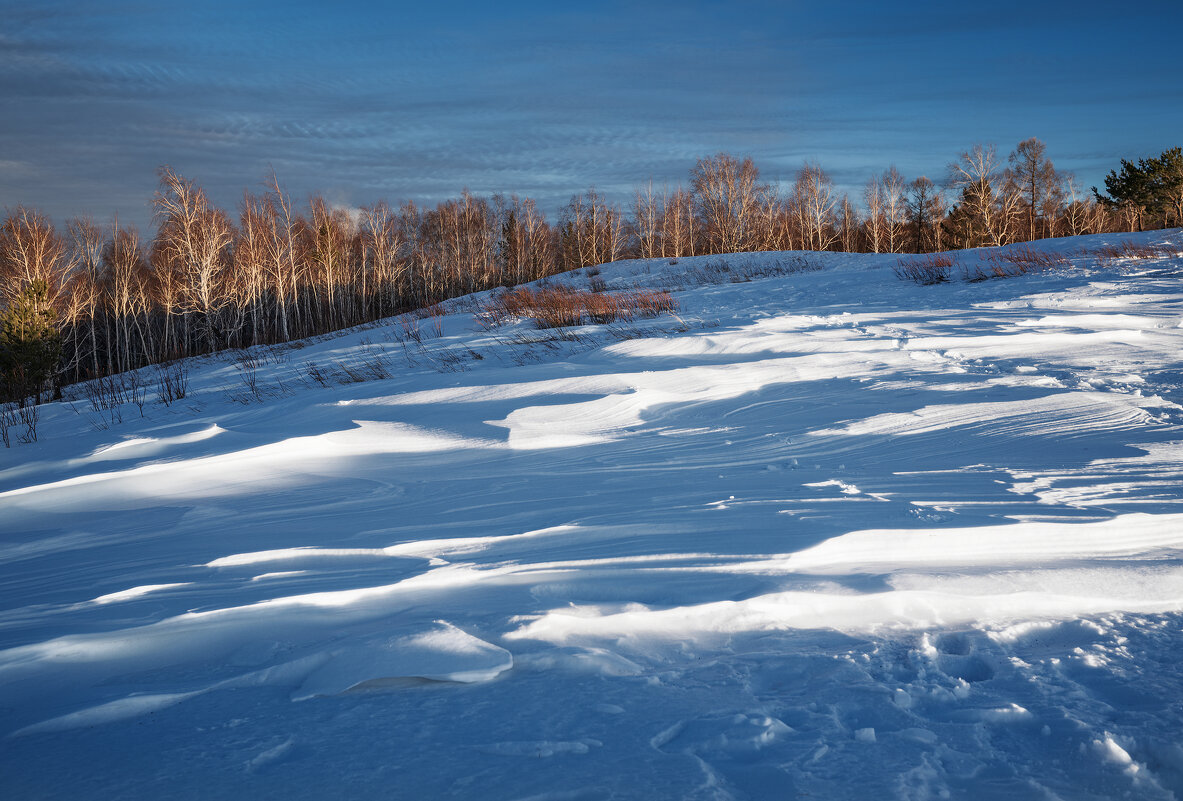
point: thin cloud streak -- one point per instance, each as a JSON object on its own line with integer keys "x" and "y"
{"x": 372, "y": 102}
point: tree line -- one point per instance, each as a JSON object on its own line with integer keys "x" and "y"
{"x": 86, "y": 300}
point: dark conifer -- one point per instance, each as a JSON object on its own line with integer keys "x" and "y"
{"x": 30, "y": 345}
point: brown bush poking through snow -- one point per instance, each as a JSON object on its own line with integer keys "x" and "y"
{"x": 995, "y": 263}
{"x": 925, "y": 270}
{"x": 557, "y": 307}
{"x": 1025, "y": 260}
{"x": 1129, "y": 250}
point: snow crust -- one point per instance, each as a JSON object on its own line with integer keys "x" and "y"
{"x": 822, "y": 534}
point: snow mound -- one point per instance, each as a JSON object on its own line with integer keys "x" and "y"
{"x": 443, "y": 653}
{"x": 121, "y": 709}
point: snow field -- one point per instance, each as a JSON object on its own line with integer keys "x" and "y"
{"x": 822, "y": 533}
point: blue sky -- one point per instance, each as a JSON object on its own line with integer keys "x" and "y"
{"x": 363, "y": 101}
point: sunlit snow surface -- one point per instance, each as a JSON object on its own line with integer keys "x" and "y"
{"x": 822, "y": 535}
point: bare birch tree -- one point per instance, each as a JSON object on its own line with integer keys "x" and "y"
{"x": 727, "y": 194}
{"x": 875, "y": 223}
{"x": 195, "y": 237}
{"x": 976, "y": 171}
{"x": 815, "y": 201}
{"x": 894, "y": 212}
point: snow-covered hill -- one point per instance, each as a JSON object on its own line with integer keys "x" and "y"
{"x": 821, "y": 533}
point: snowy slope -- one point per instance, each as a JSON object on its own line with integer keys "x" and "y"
{"x": 821, "y": 534}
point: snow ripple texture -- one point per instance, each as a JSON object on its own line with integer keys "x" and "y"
{"x": 822, "y": 534}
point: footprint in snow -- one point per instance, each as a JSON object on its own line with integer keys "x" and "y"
{"x": 272, "y": 755}
{"x": 956, "y": 658}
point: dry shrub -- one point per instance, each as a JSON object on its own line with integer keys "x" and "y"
{"x": 1022, "y": 260}
{"x": 435, "y": 313}
{"x": 411, "y": 327}
{"x": 409, "y": 324}
{"x": 558, "y": 307}
{"x": 649, "y": 303}
{"x": 554, "y": 308}
{"x": 925, "y": 270}
{"x": 718, "y": 271}
{"x": 601, "y": 308}
{"x": 8, "y": 418}
{"x": 1129, "y": 250}
{"x": 172, "y": 382}
{"x": 29, "y": 414}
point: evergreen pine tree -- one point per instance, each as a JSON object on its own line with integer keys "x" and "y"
{"x": 1168, "y": 181}
{"x": 963, "y": 225}
{"x": 1151, "y": 188}
{"x": 1130, "y": 188}
{"x": 30, "y": 345}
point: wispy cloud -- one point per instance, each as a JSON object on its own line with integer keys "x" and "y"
{"x": 541, "y": 99}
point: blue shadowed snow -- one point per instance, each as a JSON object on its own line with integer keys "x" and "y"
{"x": 822, "y": 534}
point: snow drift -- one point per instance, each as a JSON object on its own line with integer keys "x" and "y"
{"x": 819, "y": 532}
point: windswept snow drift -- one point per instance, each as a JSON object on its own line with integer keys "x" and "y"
{"x": 822, "y": 534}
